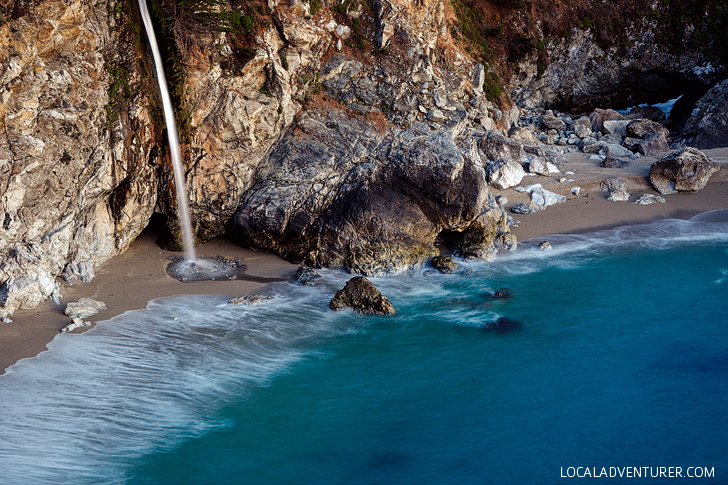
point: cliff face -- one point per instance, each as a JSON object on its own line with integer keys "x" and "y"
{"x": 72, "y": 190}
{"x": 342, "y": 133}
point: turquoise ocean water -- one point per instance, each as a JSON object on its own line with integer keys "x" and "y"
{"x": 619, "y": 359}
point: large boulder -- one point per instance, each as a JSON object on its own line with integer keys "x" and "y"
{"x": 337, "y": 192}
{"x": 504, "y": 174}
{"x": 686, "y": 170}
{"x": 652, "y": 113}
{"x": 599, "y": 116}
{"x": 496, "y": 146}
{"x": 361, "y": 295}
{"x": 582, "y": 127}
{"x": 645, "y": 129}
{"x": 541, "y": 166}
{"x": 552, "y": 122}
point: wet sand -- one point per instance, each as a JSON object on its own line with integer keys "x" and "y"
{"x": 130, "y": 280}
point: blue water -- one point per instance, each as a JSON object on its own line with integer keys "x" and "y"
{"x": 621, "y": 359}
{"x": 666, "y": 107}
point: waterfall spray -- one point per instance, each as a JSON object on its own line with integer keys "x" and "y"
{"x": 179, "y": 179}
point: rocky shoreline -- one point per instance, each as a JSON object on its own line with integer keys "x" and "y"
{"x": 364, "y": 137}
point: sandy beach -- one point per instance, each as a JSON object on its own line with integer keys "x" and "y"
{"x": 130, "y": 280}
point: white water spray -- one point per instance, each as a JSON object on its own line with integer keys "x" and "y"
{"x": 179, "y": 179}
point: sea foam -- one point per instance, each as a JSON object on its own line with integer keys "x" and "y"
{"x": 87, "y": 409}
{"x": 146, "y": 380}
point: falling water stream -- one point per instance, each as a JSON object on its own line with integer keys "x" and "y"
{"x": 179, "y": 179}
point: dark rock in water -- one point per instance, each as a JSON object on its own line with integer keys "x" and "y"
{"x": 502, "y": 294}
{"x": 361, "y": 295}
{"x": 652, "y": 113}
{"x": 544, "y": 245}
{"x": 444, "y": 264}
{"x": 307, "y": 276}
{"x": 687, "y": 170}
{"x": 502, "y": 325}
{"x": 613, "y": 162}
{"x": 204, "y": 269}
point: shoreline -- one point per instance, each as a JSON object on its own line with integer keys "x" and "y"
{"x": 132, "y": 279}
{"x": 128, "y": 282}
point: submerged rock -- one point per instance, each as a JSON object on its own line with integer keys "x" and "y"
{"x": 686, "y": 170}
{"x": 84, "y": 308}
{"x": 250, "y": 300}
{"x": 444, "y": 264}
{"x": 361, "y": 295}
{"x": 544, "y": 245}
{"x": 503, "y": 293}
{"x": 307, "y": 276}
{"x": 503, "y": 325}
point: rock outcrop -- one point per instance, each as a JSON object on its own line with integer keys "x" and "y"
{"x": 338, "y": 192}
{"x": 361, "y": 295}
{"x": 686, "y": 170}
{"x": 444, "y": 264}
{"x": 77, "y": 174}
{"x": 707, "y": 126}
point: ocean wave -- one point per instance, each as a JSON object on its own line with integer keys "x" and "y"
{"x": 147, "y": 380}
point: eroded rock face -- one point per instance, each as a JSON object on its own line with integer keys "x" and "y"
{"x": 338, "y": 192}
{"x": 583, "y": 75}
{"x": 76, "y": 184}
{"x": 686, "y": 170}
{"x": 361, "y": 295}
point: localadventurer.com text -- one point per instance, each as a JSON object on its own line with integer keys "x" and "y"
{"x": 637, "y": 472}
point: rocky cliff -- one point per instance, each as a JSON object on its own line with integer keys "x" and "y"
{"x": 76, "y": 184}
{"x": 351, "y": 134}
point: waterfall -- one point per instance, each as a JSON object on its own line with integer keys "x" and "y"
{"x": 179, "y": 179}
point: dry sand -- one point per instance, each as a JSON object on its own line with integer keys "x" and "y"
{"x": 130, "y": 280}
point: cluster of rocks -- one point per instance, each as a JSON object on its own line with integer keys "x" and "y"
{"x": 79, "y": 310}
{"x": 604, "y": 132}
